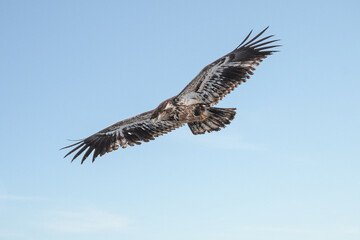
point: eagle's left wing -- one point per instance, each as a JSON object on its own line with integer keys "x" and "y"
{"x": 127, "y": 132}
{"x": 222, "y": 76}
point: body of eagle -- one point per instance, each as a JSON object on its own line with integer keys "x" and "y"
{"x": 192, "y": 106}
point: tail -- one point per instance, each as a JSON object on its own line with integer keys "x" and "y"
{"x": 219, "y": 117}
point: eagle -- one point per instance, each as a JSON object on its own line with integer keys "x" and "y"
{"x": 192, "y": 106}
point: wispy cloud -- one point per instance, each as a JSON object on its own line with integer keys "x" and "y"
{"x": 275, "y": 229}
{"x": 5, "y": 234}
{"x": 221, "y": 141}
{"x": 350, "y": 230}
{"x": 87, "y": 221}
{"x": 11, "y": 197}
{"x": 313, "y": 231}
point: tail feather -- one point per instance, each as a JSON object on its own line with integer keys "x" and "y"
{"x": 219, "y": 117}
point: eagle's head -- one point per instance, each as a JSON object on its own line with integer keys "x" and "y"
{"x": 164, "y": 111}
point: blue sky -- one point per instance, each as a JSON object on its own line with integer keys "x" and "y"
{"x": 286, "y": 168}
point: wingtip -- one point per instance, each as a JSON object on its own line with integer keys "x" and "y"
{"x": 84, "y": 158}
{"x": 78, "y": 142}
{"x": 247, "y": 37}
{"x": 67, "y": 154}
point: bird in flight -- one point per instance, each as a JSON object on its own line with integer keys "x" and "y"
{"x": 192, "y": 106}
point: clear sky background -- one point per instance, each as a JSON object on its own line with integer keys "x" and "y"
{"x": 287, "y": 168}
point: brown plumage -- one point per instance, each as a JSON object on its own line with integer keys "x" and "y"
{"x": 192, "y": 106}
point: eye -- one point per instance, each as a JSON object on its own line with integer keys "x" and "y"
{"x": 176, "y": 100}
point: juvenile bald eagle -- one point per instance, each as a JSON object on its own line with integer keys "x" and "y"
{"x": 192, "y": 106}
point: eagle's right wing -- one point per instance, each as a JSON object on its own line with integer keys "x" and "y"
{"x": 127, "y": 132}
{"x": 222, "y": 76}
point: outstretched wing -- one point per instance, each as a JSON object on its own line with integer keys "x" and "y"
{"x": 127, "y": 132}
{"x": 222, "y": 76}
